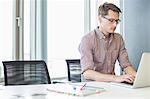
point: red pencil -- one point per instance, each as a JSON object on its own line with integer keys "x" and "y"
{"x": 83, "y": 86}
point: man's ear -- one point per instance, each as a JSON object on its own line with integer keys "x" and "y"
{"x": 99, "y": 18}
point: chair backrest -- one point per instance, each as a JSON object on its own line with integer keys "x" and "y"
{"x": 26, "y": 72}
{"x": 74, "y": 70}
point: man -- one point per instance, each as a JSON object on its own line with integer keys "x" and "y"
{"x": 101, "y": 48}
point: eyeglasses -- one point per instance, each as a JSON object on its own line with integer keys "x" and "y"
{"x": 112, "y": 20}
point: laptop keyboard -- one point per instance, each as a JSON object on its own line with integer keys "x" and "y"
{"x": 127, "y": 83}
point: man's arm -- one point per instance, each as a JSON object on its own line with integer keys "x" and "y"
{"x": 96, "y": 76}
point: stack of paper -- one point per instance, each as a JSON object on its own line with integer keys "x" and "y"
{"x": 75, "y": 90}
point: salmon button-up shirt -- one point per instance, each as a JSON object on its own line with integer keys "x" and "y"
{"x": 100, "y": 54}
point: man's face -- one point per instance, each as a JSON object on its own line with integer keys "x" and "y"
{"x": 109, "y": 22}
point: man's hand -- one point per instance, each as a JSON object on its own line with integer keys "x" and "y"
{"x": 130, "y": 70}
{"x": 125, "y": 78}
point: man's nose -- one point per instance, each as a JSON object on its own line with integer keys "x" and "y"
{"x": 115, "y": 24}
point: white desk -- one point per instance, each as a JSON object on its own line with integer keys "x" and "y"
{"x": 41, "y": 92}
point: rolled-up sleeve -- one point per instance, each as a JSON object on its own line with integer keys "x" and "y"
{"x": 123, "y": 55}
{"x": 85, "y": 49}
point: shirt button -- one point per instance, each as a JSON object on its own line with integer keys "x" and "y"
{"x": 109, "y": 62}
{"x": 108, "y": 71}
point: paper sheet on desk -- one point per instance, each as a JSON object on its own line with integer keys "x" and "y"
{"x": 2, "y": 87}
{"x": 74, "y": 90}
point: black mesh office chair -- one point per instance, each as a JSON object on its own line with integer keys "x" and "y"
{"x": 74, "y": 70}
{"x": 25, "y": 72}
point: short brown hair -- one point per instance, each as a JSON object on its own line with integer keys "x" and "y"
{"x": 103, "y": 9}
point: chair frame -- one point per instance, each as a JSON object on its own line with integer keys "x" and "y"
{"x": 68, "y": 61}
{"x": 23, "y": 61}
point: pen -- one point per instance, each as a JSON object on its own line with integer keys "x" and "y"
{"x": 83, "y": 86}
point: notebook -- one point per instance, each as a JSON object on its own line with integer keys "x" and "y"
{"x": 74, "y": 89}
{"x": 142, "y": 78}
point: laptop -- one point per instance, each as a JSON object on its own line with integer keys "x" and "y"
{"x": 142, "y": 78}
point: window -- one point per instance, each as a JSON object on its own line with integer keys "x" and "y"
{"x": 66, "y": 24}
{"x": 6, "y": 31}
{"x": 27, "y": 29}
{"x": 65, "y": 29}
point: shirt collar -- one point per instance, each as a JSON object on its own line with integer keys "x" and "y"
{"x": 101, "y": 35}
